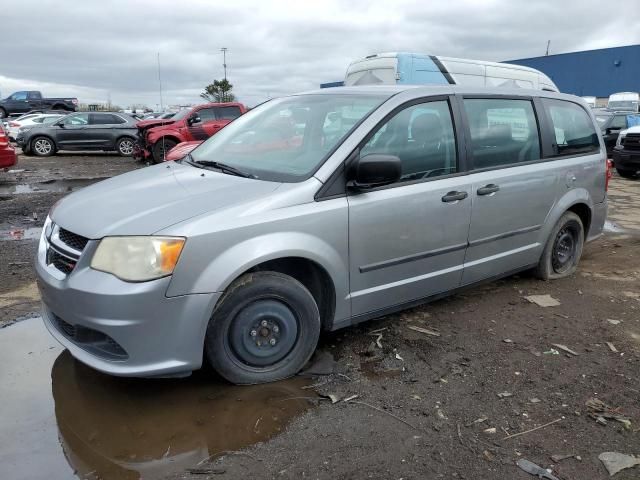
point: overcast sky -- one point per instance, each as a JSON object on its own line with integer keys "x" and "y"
{"x": 93, "y": 49}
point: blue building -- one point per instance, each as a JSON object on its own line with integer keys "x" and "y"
{"x": 597, "y": 73}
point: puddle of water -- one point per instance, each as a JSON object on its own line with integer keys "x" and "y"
{"x": 49, "y": 186}
{"x": 31, "y": 233}
{"x": 613, "y": 227}
{"x": 61, "y": 419}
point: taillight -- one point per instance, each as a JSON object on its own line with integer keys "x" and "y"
{"x": 74, "y": 101}
{"x": 14, "y": 124}
{"x": 609, "y": 174}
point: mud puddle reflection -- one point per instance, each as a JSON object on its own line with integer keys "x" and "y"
{"x": 49, "y": 186}
{"x": 61, "y": 419}
{"x": 32, "y": 233}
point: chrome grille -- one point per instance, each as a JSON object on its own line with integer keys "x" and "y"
{"x": 631, "y": 141}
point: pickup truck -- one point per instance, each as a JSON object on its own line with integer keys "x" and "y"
{"x": 27, "y": 101}
{"x": 156, "y": 137}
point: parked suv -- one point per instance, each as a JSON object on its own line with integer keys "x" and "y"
{"x": 318, "y": 211}
{"x": 105, "y": 131}
{"x": 626, "y": 154}
{"x": 612, "y": 123}
{"x": 157, "y": 137}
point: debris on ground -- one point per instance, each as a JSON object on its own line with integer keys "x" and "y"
{"x": 613, "y": 321}
{"x": 322, "y": 363}
{"x": 206, "y": 471}
{"x": 552, "y": 351}
{"x": 505, "y": 394}
{"x": 543, "y": 300}
{"x": 533, "y": 429}
{"x": 564, "y": 348}
{"x": 426, "y": 331}
{"x": 533, "y": 469}
{"x": 559, "y": 458}
{"x": 507, "y": 340}
{"x": 615, "y": 462}
{"x": 601, "y": 412}
{"x": 534, "y": 400}
{"x": 612, "y": 347}
{"x": 491, "y": 430}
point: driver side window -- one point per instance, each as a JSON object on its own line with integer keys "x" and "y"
{"x": 422, "y": 136}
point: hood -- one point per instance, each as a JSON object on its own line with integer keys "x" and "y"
{"x": 180, "y": 150}
{"x": 635, "y": 129}
{"x": 145, "y": 201}
{"x": 153, "y": 122}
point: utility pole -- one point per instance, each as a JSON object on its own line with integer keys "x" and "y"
{"x": 160, "y": 81}
{"x": 224, "y": 60}
{"x": 548, "y": 43}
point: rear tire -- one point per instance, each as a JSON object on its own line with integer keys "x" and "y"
{"x": 562, "y": 252}
{"x": 627, "y": 173}
{"x": 42, "y": 147}
{"x": 3, "y": 113}
{"x": 160, "y": 149}
{"x": 265, "y": 328}
{"x": 124, "y": 146}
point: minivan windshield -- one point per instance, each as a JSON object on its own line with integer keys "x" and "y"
{"x": 287, "y": 139}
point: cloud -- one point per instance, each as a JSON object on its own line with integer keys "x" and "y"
{"x": 95, "y": 49}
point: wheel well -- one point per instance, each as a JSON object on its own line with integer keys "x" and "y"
{"x": 57, "y": 106}
{"x": 584, "y": 212}
{"x": 312, "y": 276}
{"x": 167, "y": 137}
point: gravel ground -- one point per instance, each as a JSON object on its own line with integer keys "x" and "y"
{"x": 432, "y": 406}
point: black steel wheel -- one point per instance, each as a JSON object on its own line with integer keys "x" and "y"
{"x": 563, "y": 249}
{"x": 265, "y": 328}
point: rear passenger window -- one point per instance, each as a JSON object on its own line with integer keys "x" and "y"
{"x": 229, "y": 113}
{"x": 503, "y": 132}
{"x": 422, "y": 136}
{"x": 207, "y": 114}
{"x": 573, "y": 128}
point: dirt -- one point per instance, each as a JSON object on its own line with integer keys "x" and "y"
{"x": 427, "y": 403}
{"x": 27, "y": 192}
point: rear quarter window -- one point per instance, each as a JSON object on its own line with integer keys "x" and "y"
{"x": 572, "y": 127}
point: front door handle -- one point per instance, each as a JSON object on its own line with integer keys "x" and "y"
{"x": 454, "y": 196}
{"x": 488, "y": 189}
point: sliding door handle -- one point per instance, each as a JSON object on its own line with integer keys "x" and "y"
{"x": 454, "y": 196}
{"x": 488, "y": 189}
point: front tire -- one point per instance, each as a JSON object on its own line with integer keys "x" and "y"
{"x": 265, "y": 328}
{"x": 42, "y": 147}
{"x": 562, "y": 252}
{"x": 161, "y": 148}
{"x": 124, "y": 146}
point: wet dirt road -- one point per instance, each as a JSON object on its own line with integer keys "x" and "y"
{"x": 430, "y": 405}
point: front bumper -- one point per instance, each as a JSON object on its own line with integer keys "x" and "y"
{"x": 140, "y": 149}
{"x": 626, "y": 159}
{"x": 122, "y": 328}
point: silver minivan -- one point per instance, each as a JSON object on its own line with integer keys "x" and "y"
{"x": 315, "y": 212}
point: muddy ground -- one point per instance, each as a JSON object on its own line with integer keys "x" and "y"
{"x": 427, "y": 406}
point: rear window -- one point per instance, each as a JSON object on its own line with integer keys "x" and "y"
{"x": 574, "y": 131}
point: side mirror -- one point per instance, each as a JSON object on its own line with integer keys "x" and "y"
{"x": 61, "y": 125}
{"x": 375, "y": 170}
{"x": 194, "y": 119}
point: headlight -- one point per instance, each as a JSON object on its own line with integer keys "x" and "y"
{"x": 621, "y": 137}
{"x": 138, "y": 259}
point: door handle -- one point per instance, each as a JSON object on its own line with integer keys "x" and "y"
{"x": 488, "y": 189}
{"x": 454, "y": 196}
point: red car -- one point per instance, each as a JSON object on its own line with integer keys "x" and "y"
{"x": 8, "y": 156}
{"x": 157, "y": 137}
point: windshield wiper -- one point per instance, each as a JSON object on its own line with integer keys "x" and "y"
{"x": 223, "y": 167}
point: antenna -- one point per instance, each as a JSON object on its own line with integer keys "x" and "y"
{"x": 224, "y": 60}
{"x": 548, "y": 43}
{"x": 160, "y": 81}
